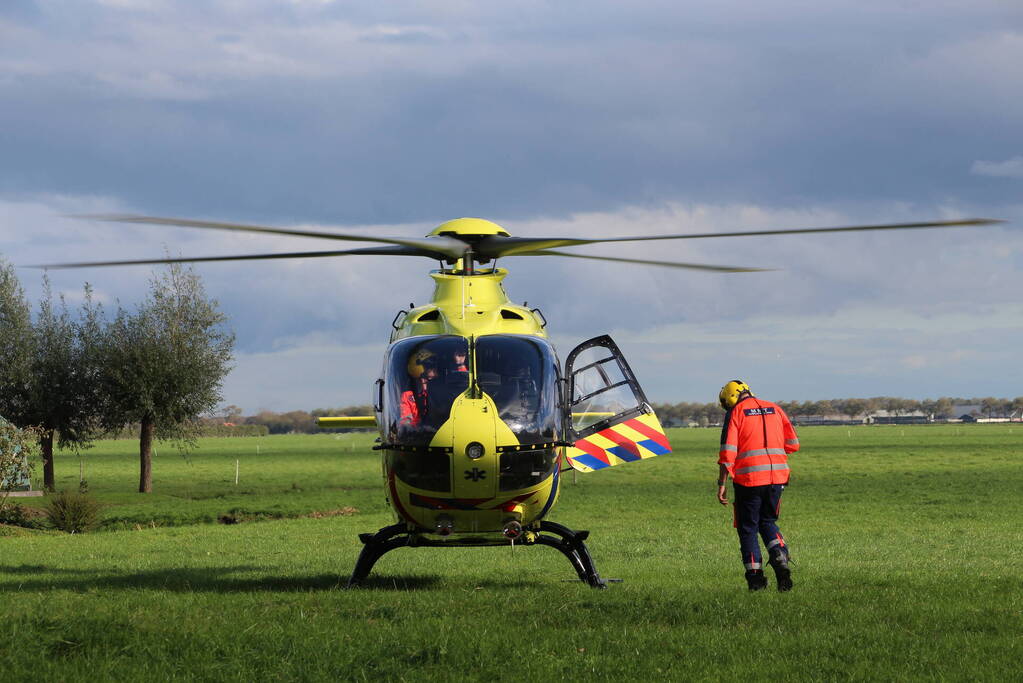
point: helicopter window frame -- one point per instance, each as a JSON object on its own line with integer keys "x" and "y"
{"x": 597, "y": 364}
{"x": 642, "y": 405}
{"x": 601, "y": 390}
{"x": 399, "y": 319}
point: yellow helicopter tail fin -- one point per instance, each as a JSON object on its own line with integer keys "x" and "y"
{"x": 634, "y": 439}
{"x": 347, "y": 422}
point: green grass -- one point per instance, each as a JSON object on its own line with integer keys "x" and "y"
{"x": 906, "y": 542}
{"x": 278, "y": 477}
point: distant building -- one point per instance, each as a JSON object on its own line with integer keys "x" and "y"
{"x": 965, "y": 413}
{"x": 975, "y": 413}
{"x": 819, "y": 420}
{"x": 885, "y": 417}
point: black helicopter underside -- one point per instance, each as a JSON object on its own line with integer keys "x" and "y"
{"x": 566, "y": 541}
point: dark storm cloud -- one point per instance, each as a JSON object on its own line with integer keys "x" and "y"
{"x": 550, "y": 112}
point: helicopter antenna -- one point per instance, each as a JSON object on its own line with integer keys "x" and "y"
{"x": 474, "y": 389}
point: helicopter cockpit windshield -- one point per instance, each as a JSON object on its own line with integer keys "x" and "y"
{"x": 424, "y": 377}
{"x": 520, "y": 374}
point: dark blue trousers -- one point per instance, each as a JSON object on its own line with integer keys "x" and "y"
{"x": 756, "y": 512}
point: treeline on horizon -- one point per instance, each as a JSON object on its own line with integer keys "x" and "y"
{"x": 230, "y": 421}
{"x": 676, "y": 414}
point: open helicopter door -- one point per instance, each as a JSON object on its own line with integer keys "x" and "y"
{"x": 607, "y": 416}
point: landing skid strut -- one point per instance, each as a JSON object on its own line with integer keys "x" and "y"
{"x": 566, "y": 541}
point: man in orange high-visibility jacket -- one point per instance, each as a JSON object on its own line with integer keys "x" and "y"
{"x": 756, "y": 438}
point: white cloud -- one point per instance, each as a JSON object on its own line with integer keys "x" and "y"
{"x": 153, "y": 84}
{"x": 307, "y": 375}
{"x": 865, "y": 351}
{"x": 1010, "y": 168}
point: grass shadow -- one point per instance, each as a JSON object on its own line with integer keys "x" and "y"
{"x": 400, "y": 582}
{"x": 182, "y": 579}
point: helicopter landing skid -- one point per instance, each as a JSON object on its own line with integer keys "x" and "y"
{"x": 566, "y": 541}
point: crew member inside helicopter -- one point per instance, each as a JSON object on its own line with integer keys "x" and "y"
{"x": 422, "y": 369}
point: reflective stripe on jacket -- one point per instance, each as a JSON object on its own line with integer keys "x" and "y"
{"x": 756, "y": 439}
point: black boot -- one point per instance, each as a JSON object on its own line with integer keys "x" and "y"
{"x": 780, "y": 563}
{"x": 755, "y": 579}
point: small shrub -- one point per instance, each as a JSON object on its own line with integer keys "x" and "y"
{"x": 16, "y": 515}
{"x": 17, "y": 457}
{"x": 74, "y": 513}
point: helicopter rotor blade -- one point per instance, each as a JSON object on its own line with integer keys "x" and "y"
{"x": 450, "y": 247}
{"x": 494, "y": 247}
{"x": 667, "y": 264}
{"x": 374, "y": 251}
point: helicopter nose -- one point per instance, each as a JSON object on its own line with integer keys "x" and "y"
{"x": 472, "y": 432}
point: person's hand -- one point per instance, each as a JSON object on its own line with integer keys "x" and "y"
{"x": 722, "y": 494}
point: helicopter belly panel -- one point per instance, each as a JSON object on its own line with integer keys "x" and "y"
{"x": 431, "y": 512}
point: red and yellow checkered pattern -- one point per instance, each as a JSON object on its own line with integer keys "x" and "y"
{"x": 636, "y": 439}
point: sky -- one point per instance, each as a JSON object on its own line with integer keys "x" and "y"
{"x": 569, "y": 119}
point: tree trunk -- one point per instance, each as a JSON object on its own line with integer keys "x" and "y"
{"x": 146, "y": 455}
{"x": 46, "y": 446}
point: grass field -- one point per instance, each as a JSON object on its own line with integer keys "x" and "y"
{"x": 906, "y": 543}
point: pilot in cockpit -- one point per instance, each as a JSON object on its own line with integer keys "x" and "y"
{"x": 452, "y": 380}
{"x": 459, "y": 360}
{"x": 422, "y": 369}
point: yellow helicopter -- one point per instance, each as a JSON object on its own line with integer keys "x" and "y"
{"x": 477, "y": 416}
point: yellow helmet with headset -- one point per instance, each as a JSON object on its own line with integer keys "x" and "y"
{"x": 730, "y": 393}
{"x": 419, "y": 361}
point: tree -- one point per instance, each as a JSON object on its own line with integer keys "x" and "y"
{"x": 65, "y": 404}
{"x": 995, "y": 407}
{"x": 165, "y": 363}
{"x": 55, "y": 389}
{"x": 231, "y": 414}
{"x": 16, "y": 347}
{"x": 943, "y": 407}
{"x": 854, "y": 407}
{"x": 807, "y": 408}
